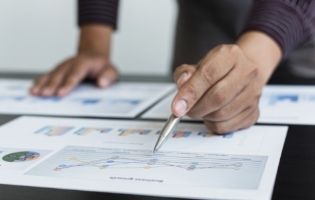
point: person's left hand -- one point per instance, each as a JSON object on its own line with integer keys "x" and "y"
{"x": 223, "y": 89}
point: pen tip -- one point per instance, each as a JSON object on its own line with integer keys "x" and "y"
{"x": 155, "y": 149}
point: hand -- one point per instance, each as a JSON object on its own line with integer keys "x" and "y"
{"x": 224, "y": 88}
{"x": 92, "y": 61}
{"x": 66, "y": 76}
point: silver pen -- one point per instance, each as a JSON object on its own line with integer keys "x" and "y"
{"x": 166, "y": 131}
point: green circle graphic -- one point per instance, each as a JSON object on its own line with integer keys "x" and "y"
{"x": 21, "y": 156}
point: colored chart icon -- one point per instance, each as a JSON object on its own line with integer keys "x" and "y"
{"x": 181, "y": 134}
{"x": 54, "y": 130}
{"x": 292, "y": 98}
{"x": 21, "y": 156}
{"x": 130, "y": 131}
{"x": 87, "y": 131}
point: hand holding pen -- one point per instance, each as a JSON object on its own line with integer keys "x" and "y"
{"x": 225, "y": 87}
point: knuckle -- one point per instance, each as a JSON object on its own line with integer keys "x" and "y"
{"x": 190, "y": 91}
{"x": 75, "y": 74}
{"x": 219, "y": 128}
{"x": 53, "y": 84}
{"x": 97, "y": 63}
{"x": 181, "y": 69}
{"x": 82, "y": 66}
{"x": 207, "y": 74}
{"x": 183, "y": 66}
{"x": 219, "y": 97}
{"x": 56, "y": 78}
{"x": 222, "y": 48}
{"x": 252, "y": 71}
{"x": 220, "y": 115}
{"x": 71, "y": 80}
{"x": 233, "y": 49}
{"x": 50, "y": 85}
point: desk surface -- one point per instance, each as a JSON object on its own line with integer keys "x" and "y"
{"x": 295, "y": 179}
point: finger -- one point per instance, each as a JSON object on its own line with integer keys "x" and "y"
{"x": 234, "y": 108}
{"x": 224, "y": 91}
{"x": 244, "y": 120}
{"x": 55, "y": 80}
{"x": 183, "y": 74}
{"x": 98, "y": 65}
{"x": 73, "y": 77}
{"x": 207, "y": 74}
{"x": 39, "y": 82}
{"x": 107, "y": 76}
{"x": 248, "y": 97}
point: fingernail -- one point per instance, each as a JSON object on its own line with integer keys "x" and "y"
{"x": 180, "y": 107}
{"x": 62, "y": 92}
{"x": 182, "y": 79}
{"x": 47, "y": 92}
{"x": 104, "y": 82}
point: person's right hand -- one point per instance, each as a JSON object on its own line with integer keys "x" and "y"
{"x": 65, "y": 77}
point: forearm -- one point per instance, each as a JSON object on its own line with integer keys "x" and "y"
{"x": 95, "y": 39}
{"x": 287, "y": 22}
{"x": 262, "y": 50}
{"x": 97, "y": 20}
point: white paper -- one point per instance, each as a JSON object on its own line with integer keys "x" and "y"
{"x": 288, "y": 105}
{"x": 162, "y": 109}
{"x": 116, "y": 156}
{"x": 123, "y": 99}
{"x": 278, "y": 104}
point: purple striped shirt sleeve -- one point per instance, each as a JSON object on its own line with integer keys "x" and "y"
{"x": 288, "y": 22}
{"x": 98, "y": 11}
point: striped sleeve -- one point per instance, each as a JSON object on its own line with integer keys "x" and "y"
{"x": 288, "y": 22}
{"x": 98, "y": 11}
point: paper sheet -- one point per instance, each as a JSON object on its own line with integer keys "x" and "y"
{"x": 288, "y": 105}
{"x": 116, "y": 156}
{"x": 124, "y": 99}
{"x": 278, "y": 104}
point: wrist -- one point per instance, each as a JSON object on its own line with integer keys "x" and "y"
{"x": 262, "y": 50}
{"x": 95, "y": 40}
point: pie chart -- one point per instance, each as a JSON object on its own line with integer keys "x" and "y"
{"x": 21, "y": 156}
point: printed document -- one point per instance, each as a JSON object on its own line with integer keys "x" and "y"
{"x": 116, "y": 156}
{"x": 278, "y": 104}
{"x": 123, "y": 99}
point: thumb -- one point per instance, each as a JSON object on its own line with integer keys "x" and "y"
{"x": 107, "y": 76}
